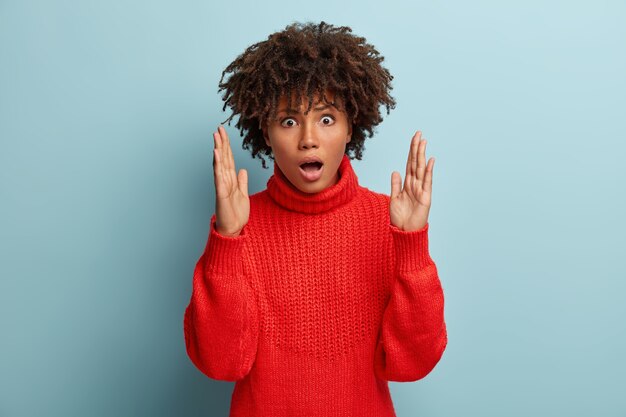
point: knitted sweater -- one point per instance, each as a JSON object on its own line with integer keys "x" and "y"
{"x": 316, "y": 304}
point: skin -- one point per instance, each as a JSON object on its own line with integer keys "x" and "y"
{"x": 409, "y": 206}
{"x": 296, "y": 135}
{"x": 232, "y": 203}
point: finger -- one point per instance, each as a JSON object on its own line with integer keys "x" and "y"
{"x": 217, "y": 175}
{"x": 219, "y": 146}
{"x": 221, "y": 179}
{"x": 216, "y": 140}
{"x": 229, "y": 151}
{"x": 216, "y": 150}
{"x": 243, "y": 181}
{"x": 411, "y": 161}
{"x": 225, "y": 151}
{"x": 408, "y": 159}
{"x": 421, "y": 162}
{"x": 225, "y": 160}
{"x": 428, "y": 177}
{"x": 228, "y": 156}
{"x": 396, "y": 180}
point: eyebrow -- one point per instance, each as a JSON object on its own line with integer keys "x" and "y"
{"x": 293, "y": 111}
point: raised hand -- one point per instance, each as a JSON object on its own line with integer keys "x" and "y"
{"x": 232, "y": 204}
{"x": 410, "y": 206}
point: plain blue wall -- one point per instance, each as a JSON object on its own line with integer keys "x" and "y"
{"x": 106, "y": 115}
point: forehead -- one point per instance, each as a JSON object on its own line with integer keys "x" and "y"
{"x": 284, "y": 104}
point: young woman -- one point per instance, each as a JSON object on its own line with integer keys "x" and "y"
{"x": 315, "y": 292}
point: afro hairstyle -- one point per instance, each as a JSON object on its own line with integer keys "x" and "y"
{"x": 303, "y": 61}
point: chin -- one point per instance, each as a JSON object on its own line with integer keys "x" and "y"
{"x": 312, "y": 188}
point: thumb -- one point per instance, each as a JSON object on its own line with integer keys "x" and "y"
{"x": 396, "y": 180}
{"x": 242, "y": 178}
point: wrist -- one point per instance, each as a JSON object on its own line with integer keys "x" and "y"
{"x": 411, "y": 248}
{"x": 224, "y": 253}
{"x": 227, "y": 234}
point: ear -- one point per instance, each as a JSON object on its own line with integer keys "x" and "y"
{"x": 349, "y": 133}
{"x": 265, "y": 135}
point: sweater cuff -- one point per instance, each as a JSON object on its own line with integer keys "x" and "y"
{"x": 224, "y": 253}
{"x": 411, "y": 248}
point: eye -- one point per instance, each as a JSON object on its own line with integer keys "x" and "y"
{"x": 328, "y": 117}
{"x": 282, "y": 123}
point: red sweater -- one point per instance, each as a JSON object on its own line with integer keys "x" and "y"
{"x": 316, "y": 304}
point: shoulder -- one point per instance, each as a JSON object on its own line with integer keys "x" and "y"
{"x": 375, "y": 203}
{"x": 260, "y": 210}
{"x": 374, "y": 209}
{"x": 259, "y": 196}
{"x": 381, "y": 199}
{"x": 259, "y": 202}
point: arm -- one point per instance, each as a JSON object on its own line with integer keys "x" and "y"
{"x": 221, "y": 320}
{"x": 413, "y": 332}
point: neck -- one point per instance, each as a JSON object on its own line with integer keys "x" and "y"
{"x": 289, "y": 197}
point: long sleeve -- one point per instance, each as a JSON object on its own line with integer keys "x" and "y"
{"x": 413, "y": 332}
{"x": 221, "y": 321}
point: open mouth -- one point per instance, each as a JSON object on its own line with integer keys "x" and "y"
{"x": 311, "y": 166}
{"x": 311, "y": 171}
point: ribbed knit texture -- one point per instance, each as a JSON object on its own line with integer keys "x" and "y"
{"x": 316, "y": 304}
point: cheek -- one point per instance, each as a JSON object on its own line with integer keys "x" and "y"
{"x": 280, "y": 152}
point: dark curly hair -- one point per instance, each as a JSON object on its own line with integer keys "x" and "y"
{"x": 307, "y": 59}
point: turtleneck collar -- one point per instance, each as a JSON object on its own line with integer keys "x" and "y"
{"x": 289, "y": 197}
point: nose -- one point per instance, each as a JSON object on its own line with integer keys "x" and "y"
{"x": 308, "y": 140}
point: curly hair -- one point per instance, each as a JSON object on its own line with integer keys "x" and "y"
{"x": 306, "y": 59}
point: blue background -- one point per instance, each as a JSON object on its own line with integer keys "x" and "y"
{"x": 106, "y": 115}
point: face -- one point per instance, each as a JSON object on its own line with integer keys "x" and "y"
{"x": 322, "y": 135}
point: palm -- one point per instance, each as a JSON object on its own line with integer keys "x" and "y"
{"x": 409, "y": 206}
{"x": 232, "y": 204}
